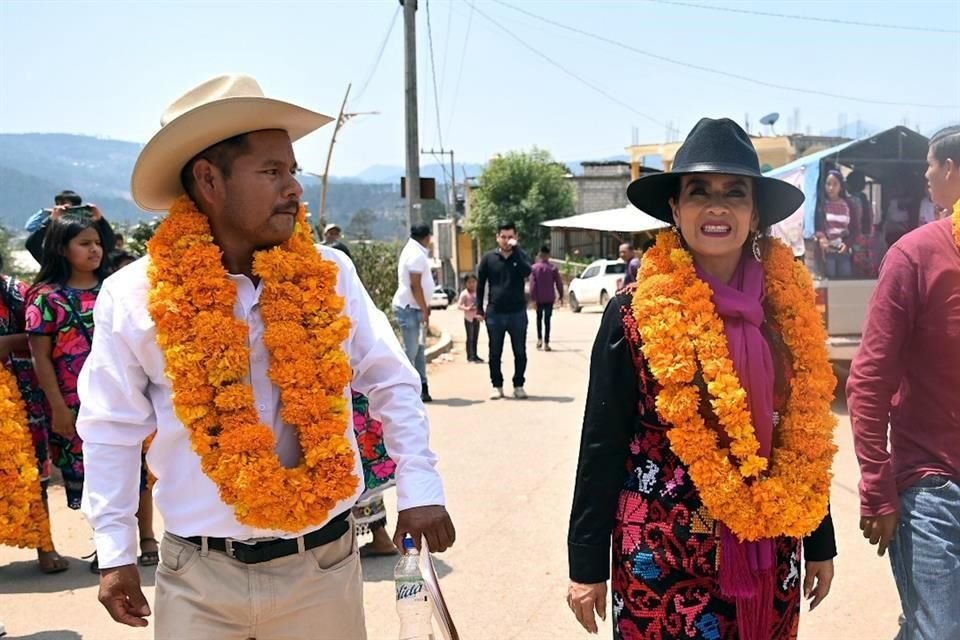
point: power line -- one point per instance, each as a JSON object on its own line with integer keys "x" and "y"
{"x": 769, "y": 14}
{"x": 463, "y": 56}
{"x": 727, "y": 74}
{"x": 562, "y": 68}
{"x": 433, "y": 72}
{"x": 446, "y": 47}
{"x": 376, "y": 62}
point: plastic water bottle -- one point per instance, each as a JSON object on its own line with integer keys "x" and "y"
{"x": 413, "y": 600}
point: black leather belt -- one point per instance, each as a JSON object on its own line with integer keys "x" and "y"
{"x": 273, "y": 549}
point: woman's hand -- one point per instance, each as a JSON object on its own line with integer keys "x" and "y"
{"x": 822, "y": 572}
{"x": 584, "y": 599}
{"x": 64, "y": 422}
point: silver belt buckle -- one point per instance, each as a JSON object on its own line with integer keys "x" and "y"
{"x": 229, "y": 542}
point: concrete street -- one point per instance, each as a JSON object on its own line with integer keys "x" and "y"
{"x": 509, "y": 468}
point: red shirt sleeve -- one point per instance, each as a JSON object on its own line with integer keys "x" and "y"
{"x": 875, "y": 377}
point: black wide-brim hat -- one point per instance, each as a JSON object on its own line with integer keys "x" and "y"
{"x": 715, "y": 146}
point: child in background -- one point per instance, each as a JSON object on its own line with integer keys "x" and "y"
{"x": 59, "y": 321}
{"x": 468, "y": 304}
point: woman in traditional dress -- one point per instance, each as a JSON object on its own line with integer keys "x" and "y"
{"x": 379, "y": 474}
{"x": 15, "y": 355}
{"x": 708, "y": 436}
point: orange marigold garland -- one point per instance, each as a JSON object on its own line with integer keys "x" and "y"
{"x": 207, "y": 359}
{"x": 956, "y": 223}
{"x": 683, "y": 335}
{"x": 23, "y": 519}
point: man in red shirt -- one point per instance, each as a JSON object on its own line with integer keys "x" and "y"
{"x": 907, "y": 375}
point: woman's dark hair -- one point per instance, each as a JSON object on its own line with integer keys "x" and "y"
{"x": 945, "y": 144}
{"x": 54, "y": 268}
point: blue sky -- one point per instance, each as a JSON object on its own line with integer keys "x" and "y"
{"x": 110, "y": 68}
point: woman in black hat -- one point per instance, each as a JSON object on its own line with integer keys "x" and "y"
{"x": 707, "y": 437}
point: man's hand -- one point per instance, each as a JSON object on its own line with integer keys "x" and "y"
{"x": 426, "y": 316}
{"x": 57, "y": 212}
{"x": 880, "y": 530}
{"x": 823, "y": 573}
{"x": 122, "y": 597}
{"x": 584, "y": 599}
{"x": 433, "y": 523}
{"x": 64, "y": 422}
{"x": 95, "y": 213}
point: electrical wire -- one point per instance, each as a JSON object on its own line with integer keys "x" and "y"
{"x": 565, "y": 70}
{"x": 376, "y": 61}
{"x": 770, "y": 14}
{"x": 446, "y": 47}
{"x": 463, "y": 56}
{"x": 436, "y": 94}
{"x": 727, "y": 74}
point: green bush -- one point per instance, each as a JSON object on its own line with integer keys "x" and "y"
{"x": 376, "y": 263}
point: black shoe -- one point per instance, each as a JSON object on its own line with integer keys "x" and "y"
{"x": 479, "y": 360}
{"x": 425, "y": 394}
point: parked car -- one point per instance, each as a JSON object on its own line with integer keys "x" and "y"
{"x": 596, "y": 284}
{"x": 451, "y": 294}
{"x": 439, "y": 299}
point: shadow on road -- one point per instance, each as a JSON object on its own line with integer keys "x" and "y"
{"x": 60, "y": 634}
{"x": 381, "y": 569}
{"x": 25, "y": 577}
{"x": 455, "y": 402}
{"x": 557, "y": 399}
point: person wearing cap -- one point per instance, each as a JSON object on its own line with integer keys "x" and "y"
{"x": 237, "y": 343}
{"x": 331, "y": 238}
{"x": 708, "y": 435}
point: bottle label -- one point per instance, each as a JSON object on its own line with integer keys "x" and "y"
{"x": 410, "y": 591}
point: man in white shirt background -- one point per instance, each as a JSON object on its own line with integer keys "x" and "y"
{"x": 411, "y": 303}
{"x": 230, "y": 148}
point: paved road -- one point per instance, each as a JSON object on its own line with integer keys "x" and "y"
{"x": 508, "y": 468}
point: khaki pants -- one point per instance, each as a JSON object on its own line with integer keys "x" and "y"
{"x": 316, "y": 595}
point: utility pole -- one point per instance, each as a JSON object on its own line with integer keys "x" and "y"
{"x": 414, "y": 209}
{"x": 326, "y": 169}
{"x": 342, "y": 118}
{"x": 451, "y": 184}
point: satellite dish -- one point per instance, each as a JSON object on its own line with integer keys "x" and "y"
{"x": 770, "y": 119}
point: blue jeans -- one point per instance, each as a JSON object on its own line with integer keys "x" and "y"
{"x": 498, "y": 326}
{"x": 410, "y": 320}
{"x": 839, "y": 265}
{"x": 925, "y": 555}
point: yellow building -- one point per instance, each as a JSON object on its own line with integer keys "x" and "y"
{"x": 774, "y": 151}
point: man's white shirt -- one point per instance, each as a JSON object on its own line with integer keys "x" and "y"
{"x": 125, "y": 396}
{"x": 415, "y": 258}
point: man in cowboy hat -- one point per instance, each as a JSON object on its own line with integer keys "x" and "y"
{"x": 230, "y": 149}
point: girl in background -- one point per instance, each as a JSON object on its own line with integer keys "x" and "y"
{"x": 59, "y": 320}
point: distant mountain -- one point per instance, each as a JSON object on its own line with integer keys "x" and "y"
{"x": 393, "y": 173}
{"x": 34, "y": 167}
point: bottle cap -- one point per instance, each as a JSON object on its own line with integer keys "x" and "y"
{"x": 408, "y": 543}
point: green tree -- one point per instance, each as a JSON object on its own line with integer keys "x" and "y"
{"x": 139, "y": 235}
{"x": 526, "y": 188}
{"x": 361, "y": 224}
{"x": 376, "y": 264}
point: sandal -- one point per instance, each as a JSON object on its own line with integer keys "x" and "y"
{"x": 94, "y": 564}
{"x": 51, "y": 562}
{"x": 149, "y": 558}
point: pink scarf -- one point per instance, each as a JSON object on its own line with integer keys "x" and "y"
{"x": 747, "y": 568}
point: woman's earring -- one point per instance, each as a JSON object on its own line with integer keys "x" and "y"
{"x": 756, "y": 247}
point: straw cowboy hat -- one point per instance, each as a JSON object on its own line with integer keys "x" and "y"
{"x": 715, "y": 146}
{"x": 218, "y": 109}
